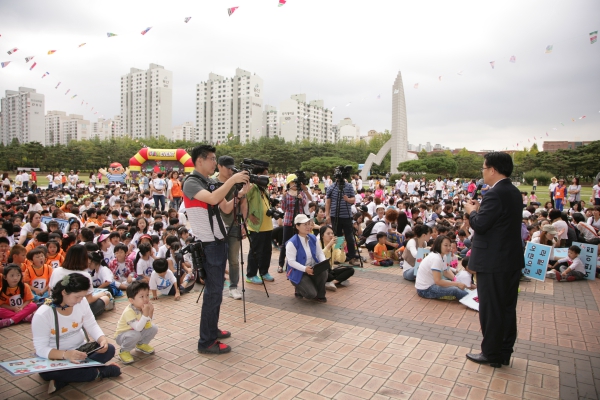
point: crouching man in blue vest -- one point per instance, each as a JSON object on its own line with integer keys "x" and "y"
{"x": 302, "y": 253}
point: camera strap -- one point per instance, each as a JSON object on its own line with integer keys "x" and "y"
{"x": 213, "y": 210}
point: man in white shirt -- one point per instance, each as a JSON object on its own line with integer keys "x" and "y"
{"x": 25, "y": 179}
{"x": 439, "y": 187}
{"x": 50, "y": 178}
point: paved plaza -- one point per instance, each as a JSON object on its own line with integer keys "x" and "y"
{"x": 375, "y": 339}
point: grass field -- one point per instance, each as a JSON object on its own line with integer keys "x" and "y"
{"x": 544, "y": 196}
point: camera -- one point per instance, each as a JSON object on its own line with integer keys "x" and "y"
{"x": 198, "y": 257}
{"x": 342, "y": 172}
{"x": 273, "y": 213}
{"x": 248, "y": 164}
{"x": 301, "y": 178}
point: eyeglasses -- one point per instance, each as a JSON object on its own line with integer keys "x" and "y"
{"x": 484, "y": 168}
{"x": 211, "y": 158}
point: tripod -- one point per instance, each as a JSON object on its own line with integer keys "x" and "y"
{"x": 340, "y": 184}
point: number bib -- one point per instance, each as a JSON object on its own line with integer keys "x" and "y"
{"x": 16, "y": 300}
{"x": 38, "y": 283}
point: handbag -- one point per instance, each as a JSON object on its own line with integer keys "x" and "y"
{"x": 85, "y": 348}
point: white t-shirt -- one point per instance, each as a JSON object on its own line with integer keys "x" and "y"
{"x": 596, "y": 189}
{"x": 439, "y": 185}
{"x": 163, "y": 285}
{"x": 463, "y": 277}
{"x": 433, "y": 262}
{"x": 144, "y": 267}
{"x": 561, "y": 226}
{"x": 159, "y": 184}
{"x": 103, "y": 275}
{"x": 552, "y": 186}
{"x": 378, "y": 227}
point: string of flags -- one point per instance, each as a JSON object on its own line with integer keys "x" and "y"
{"x": 146, "y": 30}
{"x": 187, "y": 19}
{"x": 593, "y": 37}
{"x": 231, "y": 10}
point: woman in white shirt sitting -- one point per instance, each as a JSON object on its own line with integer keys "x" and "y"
{"x": 429, "y": 283}
{"x": 66, "y": 316}
{"x": 302, "y": 254}
{"x": 422, "y": 235}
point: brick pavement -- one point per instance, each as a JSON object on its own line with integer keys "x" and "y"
{"x": 373, "y": 340}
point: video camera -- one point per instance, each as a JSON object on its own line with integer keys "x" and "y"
{"x": 198, "y": 257}
{"x": 342, "y": 172}
{"x": 248, "y": 164}
{"x": 301, "y": 178}
{"x": 273, "y": 213}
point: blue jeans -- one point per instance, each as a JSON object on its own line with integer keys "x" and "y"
{"x": 559, "y": 204}
{"x": 409, "y": 274}
{"x": 435, "y": 292}
{"x": 175, "y": 203}
{"x": 214, "y": 266}
{"x": 159, "y": 201}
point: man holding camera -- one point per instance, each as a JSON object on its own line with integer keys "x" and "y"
{"x": 203, "y": 199}
{"x": 341, "y": 219}
{"x": 234, "y": 237}
{"x": 260, "y": 228}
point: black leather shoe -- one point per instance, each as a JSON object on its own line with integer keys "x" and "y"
{"x": 505, "y": 360}
{"x": 481, "y": 359}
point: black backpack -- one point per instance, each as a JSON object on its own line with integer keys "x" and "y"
{"x": 368, "y": 229}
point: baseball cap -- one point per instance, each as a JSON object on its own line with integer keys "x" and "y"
{"x": 301, "y": 219}
{"x": 226, "y": 161}
{"x": 526, "y": 214}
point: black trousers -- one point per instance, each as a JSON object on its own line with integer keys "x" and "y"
{"x": 344, "y": 226}
{"x": 498, "y": 293}
{"x": 259, "y": 253}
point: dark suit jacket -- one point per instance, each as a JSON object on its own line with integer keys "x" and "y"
{"x": 496, "y": 245}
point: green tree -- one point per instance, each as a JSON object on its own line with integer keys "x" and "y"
{"x": 326, "y": 165}
{"x": 468, "y": 164}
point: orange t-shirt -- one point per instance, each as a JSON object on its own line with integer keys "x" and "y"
{"x": 13, "y": 296}
{"x": 31, "y": 245}
{"x": 55, "y": 261}
{"x": 381, "y": 252}
{"x": 176, "y": 188}
{"x": 38, "y": 278}
{"x": 24, "y": 265}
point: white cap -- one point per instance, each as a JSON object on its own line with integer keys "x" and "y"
{"x": 301, "y": 219}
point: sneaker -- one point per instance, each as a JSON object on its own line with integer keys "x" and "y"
{"x": 28, "y": 318}
{"x": 4, "y": 323}
{"x": 330, "y": 286}
{"x": 223, "y": 334}
{"x": 345, "y": 283}
{"x": 145, "y": 348}
{"x": 267, "y": 277}
{"x": 558, "y": 276}
{"x": 235, "y": 294}
{"x": 126, "y": 357}
{"x": 255, "y": 279}
{"x": 321, "y": 299}
{"x": 110, "y": 371}
{"x": 216, "y": 348}
{"x": 571, "y": 279}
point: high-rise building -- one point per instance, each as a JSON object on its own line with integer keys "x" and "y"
{"x": 147, "y": 102}
{"x": 300, "y": 120}
{"x": 61, "y": 128}
{"x": 229, "y": 107}
{"x": 271, "y": 122}
{"x": 105, "y": 129}
{"x": 348, "y": 131}
{"x": 22, "y": 116}
{"x": 185, "y": 131}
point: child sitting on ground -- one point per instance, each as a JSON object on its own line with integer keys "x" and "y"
{"x": 54, "y": 258}
{"x": 15, "y": 298}
{"x": 570, "y": 268}
{"x": 37, "y": 274}
{"x": 121, "y": 267}
{"x": 465, "y": 275}
{"x": 135, "y": 328}
{"x": 380, "y": 252}
{"x": 163, "y": 280}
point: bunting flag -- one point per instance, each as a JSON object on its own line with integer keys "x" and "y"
{"x": 33, "y": 66}
{"x": 5, "y": 63}
{"x": 82, "y": 102}
{"x": 492, "y": 63}
{"x": 281, "y": 3}
{"x": 440, "y": 78}
{"x": 582, "y": 117}
{"x": 146, "y": 30}
{"x": 416, "y": 85}
{"x": 73, "y": 96}
{"x": 573, "y": 119}
{"x": 187, "y": 19}
{"x": 111, "y": 34}
{"x": 47, "y": 73}
{"x": 57, "y": 85}
{"x": 51, "y": 52}
{"x": 593, "y": 37}
{"x": 82, "y": 44}
{"x": 513, "y": 59}
{"x": 547, "y": 134}
{"x": 12, "y": 51}
{"x": 549, "y": 49}
{"x": 529, "y": 140}
{"x": 231, "y": 10}
{"x": 27, "y": 59}
{"x": 67, "y": 92}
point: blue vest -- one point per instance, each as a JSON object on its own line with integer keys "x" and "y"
{"x": 293, "y": 274}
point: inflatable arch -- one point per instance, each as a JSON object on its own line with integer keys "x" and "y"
{"x": 158, "y": 155}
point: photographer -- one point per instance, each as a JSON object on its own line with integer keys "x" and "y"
{"x": 292, "y": 204}
{"x": 202, "y": 201}
{"x": 260, "y": 229}
{"x": 343, "y": 222}
{"x": 225, "y": 165}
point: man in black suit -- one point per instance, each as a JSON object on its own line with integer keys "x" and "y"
{"x": 497, "y": 257}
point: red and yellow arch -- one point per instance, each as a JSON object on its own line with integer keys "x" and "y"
{"x": 145, "y": 154}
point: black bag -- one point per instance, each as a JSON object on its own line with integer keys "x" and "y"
{"x": 367, "y": 231}
{"x": 85, "y": 348}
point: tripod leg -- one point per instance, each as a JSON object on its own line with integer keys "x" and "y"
{"x": 243, "y": 278}
{"x": 198, "y": 299}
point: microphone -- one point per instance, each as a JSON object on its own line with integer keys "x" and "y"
{"x": 478, "y": 190}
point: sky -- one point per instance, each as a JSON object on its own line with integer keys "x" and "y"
{"x": 338, "y": 51}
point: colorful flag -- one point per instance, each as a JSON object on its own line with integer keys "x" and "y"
{"x": 12, "y": 51}
{"x": 593, "y": 37}
{"x": 68, "y": 90}
{"x": 5, "y": 63}
{"x": 549, "y": 49}
{"x": 51, "y": 52}
{"x": 281, "y": 3}
{"x": 231, "y": 10}
{"x": 513, "y": 59}
{"x": 111, "y": 34}
{"x": 82, "y": 102}
{"x": 582, "y": 117}
{"x": 47, "y": 73}
{"x": 146, "y": 30}
{"x": 32, "y": 66}
{"x": 73, "y": 96}
{"x": 547, "y": 134}
{"x": 57, "y": 85}
{"x": 492, "y": 63}
{"x": 187, "y": 19}
{"x": 82, "y": 44}
{"x": 27, "y": 59}
{"x": 416, "y": 85}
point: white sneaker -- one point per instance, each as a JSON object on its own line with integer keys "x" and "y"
{"x": 345, "y": 283}
{"x": 330, "y": 286}
{"x": 234, "y": 293}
